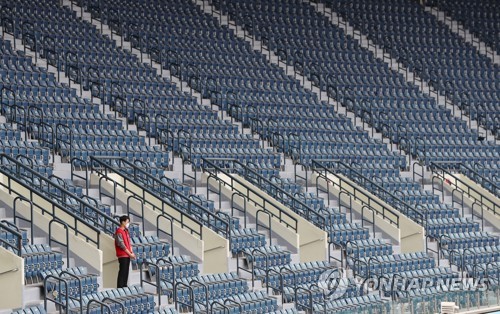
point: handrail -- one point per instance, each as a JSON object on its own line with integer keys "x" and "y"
{"x": 156, "y": 276}
{"x": 13, "y": 117}
{"x": 101, "y": 304}
{"x": 66, "y": 235}
{"x": 159, "y": 130}
{"x": 363, "y": 219}
{"x": 205, "y": 289}
{"x": 192, "y": 208}
{"x": 240, "y": 307}
{"x": 440, "y": 173}
{"x": 54, "y": 204}
{"x": 123, "y": 310}
{"x": 143, "y": 123}
{"x": 3, "y": 91}
{"x": 74, "y": 175}
{"x": 6, "y": 15}
{"x": 63, "y": 304}
{"x": 342, "y": 192}
{"x": 13, "y": 270}
{"x": 213, "y": 174}
{"x": 251, "y": 259}
{"x": 23, "y": 159}
{"x": 99, "y": 94}
{"x": 45, "y": 135}
{"x": 99, "y": 162}
{"x": 483, "y": 179}
{"x": 19, "y": 237}
{"x": 233, "y": 207}
{"x": 14, "y": 212}
{"x": 26, "y": 34}
{"x": 129, "y": 213}
{"x": 60, "y": 131}
{"x": 54, "y": 197}
{"x": 308, "y": 307}
{"x": 221, "y": 306}
{"x": 190, "y": 293}
{"x": 280, "y": 287}
{"x": 78, "y": 296}
{"x": 323, "y": 172}
{"x": 159, "y": 230}
{"x": 50, "y": 54}
{"x": 262, "y": 225}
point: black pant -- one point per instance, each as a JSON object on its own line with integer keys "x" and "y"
{"x": 123, "y": 272}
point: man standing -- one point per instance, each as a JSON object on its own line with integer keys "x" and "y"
{"x": 123, "y": 251}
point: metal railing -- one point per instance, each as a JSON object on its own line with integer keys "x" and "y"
{"x": 16, "y": 248}
{"x": 103, "y": 166}
{"x": 334, "y": 166}
{"x": 15, "y": 177}
{"x": 461, "y": 187}
{"x": 212, "y": 169}
{"x": 273, "y": 190}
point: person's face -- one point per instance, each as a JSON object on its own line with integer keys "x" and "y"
{"x": 126, "y": 223}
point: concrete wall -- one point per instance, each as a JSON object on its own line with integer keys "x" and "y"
{"x": 409, "y": 234}
{"x": 11, "y": 280}
{"x": 310, "y": 241}
{"x": 97, "y": 260}
{"x": 212, "y": 249}
{"x": 489, "y": 203}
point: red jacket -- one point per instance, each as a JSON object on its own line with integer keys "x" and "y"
{"x": 126, "y": 240}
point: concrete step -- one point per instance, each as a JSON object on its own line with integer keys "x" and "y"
{"x": 32, "y": 294}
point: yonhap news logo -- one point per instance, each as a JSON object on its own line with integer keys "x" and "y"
{"x": 335, "y": 284}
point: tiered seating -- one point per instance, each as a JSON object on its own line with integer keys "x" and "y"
{"x": 126, "y": 85}
{"x": 68, "y": 185}
{"x": 132, "y": 298}
{"x": 53, "y": 113}
{"x": 392, "y": 263}
{"x": 7, "y": 133}
{"x": 37, "y": 165}
{"x": 172, "y": 268}
{"x": 251, "y": 302}
{"x": 442, "y": 58}
{"x": 368, "y": 248}
{"x": 11, "y": 239}
{"x": 361, "y": 303}
{"x": 481, "y": 18}
{"x": 490, "y": 270}
{"x": 221, "y": 66}
{"x": 148, "y": 247}
{"x": 31, "y": 310}
{"x": 338, "y": 65}
{"x": 39, "y": 258}
{"x": 263, "y": 91}
{"x": 242, "y": 240}
{"x": 218, "y": 286}
{"x": 80, "y": 283}
{"x": 424, "y": 300}
{"x": 60, "y": 191}
{"x": 178, "y": 273}
{"x": 470, "y": 257}
{"x": 300, "y": 275}
{"x": 32, "y": 150}
{"x": 246, "y": 239}
{"x": 335, "y": 62}
{"x": 242, "y": 76}
{"x": 166, "y": 311}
